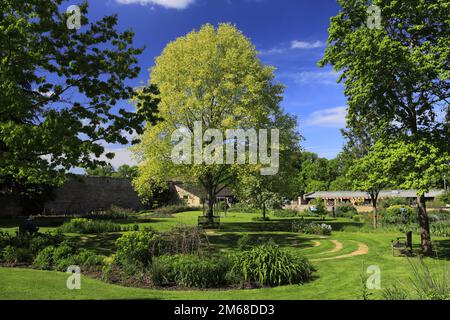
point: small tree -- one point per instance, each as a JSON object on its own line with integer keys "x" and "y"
{"x": 321, "y": 209}
{"x": 258, "y": 192}
{"x": 370, "y": 174}
{"x": 413, "y": 165}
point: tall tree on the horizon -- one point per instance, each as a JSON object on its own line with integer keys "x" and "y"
{"x": 397, "y": 76}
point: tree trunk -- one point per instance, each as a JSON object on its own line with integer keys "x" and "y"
{"x": 374, "y": 213}
{"x": 425, "y": 237}
{"x": 211, "y": 202}
{"x": 264, "y": 211}
{"x": 374, "y": 199}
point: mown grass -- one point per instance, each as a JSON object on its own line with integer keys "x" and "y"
{"x": 334, "y": 279}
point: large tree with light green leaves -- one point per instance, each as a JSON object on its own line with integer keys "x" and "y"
{"x": 213, "y": 77}
{"x": 396, "y": 77}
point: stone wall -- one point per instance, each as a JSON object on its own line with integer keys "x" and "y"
{"x": 81, "y": 195}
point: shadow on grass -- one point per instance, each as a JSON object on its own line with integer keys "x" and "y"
{"x": 227, "y": 240}
{"x": 282, "y": 225}
{"x": 103, "y": 243}
{"x": 442, "y": 249}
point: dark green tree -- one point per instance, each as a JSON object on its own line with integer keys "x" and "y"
{"x": 62, "y": 91}
{"x": 396, "y": 76}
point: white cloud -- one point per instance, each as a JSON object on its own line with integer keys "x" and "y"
{"x": 332, "y": 117}
{"x": 307, "y": 45}
{"x": 170, "y": 4}
{"x": 314, "y": 77}
{"x": 272, "y": 51}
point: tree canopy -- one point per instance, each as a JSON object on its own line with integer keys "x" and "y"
{"x": 61, "y": 91}
{"x": 213, "y": 77}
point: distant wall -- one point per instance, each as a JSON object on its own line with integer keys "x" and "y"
{"x": 80, "y": 195}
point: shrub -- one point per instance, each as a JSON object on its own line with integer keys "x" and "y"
{"x": 392, "y": 201}
{"x": 243, "y": 207}
{"x": 320, "y": 210}
{"x": 440, "y": 229}
{"x": 445, "y": 198}
{"x": 393, "y": 214}
{"x": 346, "y": 210}
{"x": 40, "y": 241}
{"x": 184, "y": 239}
{"x": 286, "y": 213}
{"x": 44, "y": 259}
{"x": 135, "y": 250}
{"x": 423, "y": 285}
{"x": 65, "y": 255}
{"x": 245, "y": 242}
{"x": 86, "y": 226}
{"x": 113, "y": 213}
{"x": 311, "y": 228}
{"x": 269, "y": 265}
{"x": 168, "y": 210}
{"x": 13, "y": 255}
{"x": 357, "y": 218}
{"x": 191, "y": 271}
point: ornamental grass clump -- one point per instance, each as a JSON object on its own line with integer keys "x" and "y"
{"x": 268, "y": 265}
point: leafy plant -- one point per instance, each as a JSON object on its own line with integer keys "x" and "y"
{"x": 172, "y": 209}
{"x": 346, "y": 210}
{"x": 191, "y": 270}
{"x": 135, "y": 250}
{"x": 268, "y": 265}
{"x": 87, "y": 226}
{"x": 184, "y": 239}
{"x": 394, "y": 214}
{"x": 12, "y": 255}
{"x": 304, "y": 226}
{"x": 423, "y": 284}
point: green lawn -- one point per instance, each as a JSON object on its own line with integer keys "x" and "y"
{"x": 335, "y": 278}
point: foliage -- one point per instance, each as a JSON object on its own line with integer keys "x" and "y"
{"x": 171, "y": 209}
{"x": 113, "y": 213}
{"x": 191, "y": 271}
{"x": 268, "y": 265}
{"x": 12, "y": 255}
{"x": 364, "y": 293}
{"x": 319, "y": 204}
{"x": 135, "y": 250}
{"x": 445, "y": 197}
{"x": 242, "y": 207}
{"x": 65, "y": 255}
{"x": 285, "y": 213}
{"x": 346, "y": 210}
{"x": 393, "y": 201}
{"x": 440, "y": 229}
{"x": 245, "y": 242}
{"x": 184, "y": 239}
{"x": 61, "y": 90}
{"x": 87, "y": 226}
{"x": 212, "y": 76}
{"x": 371, "y": 62}
{"x": 393, "y": 214}
{"x": 304, "y": 226}
{"x": 424, "y": 285}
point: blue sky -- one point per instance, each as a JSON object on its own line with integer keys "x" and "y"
{"x": 290, "y": 35}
